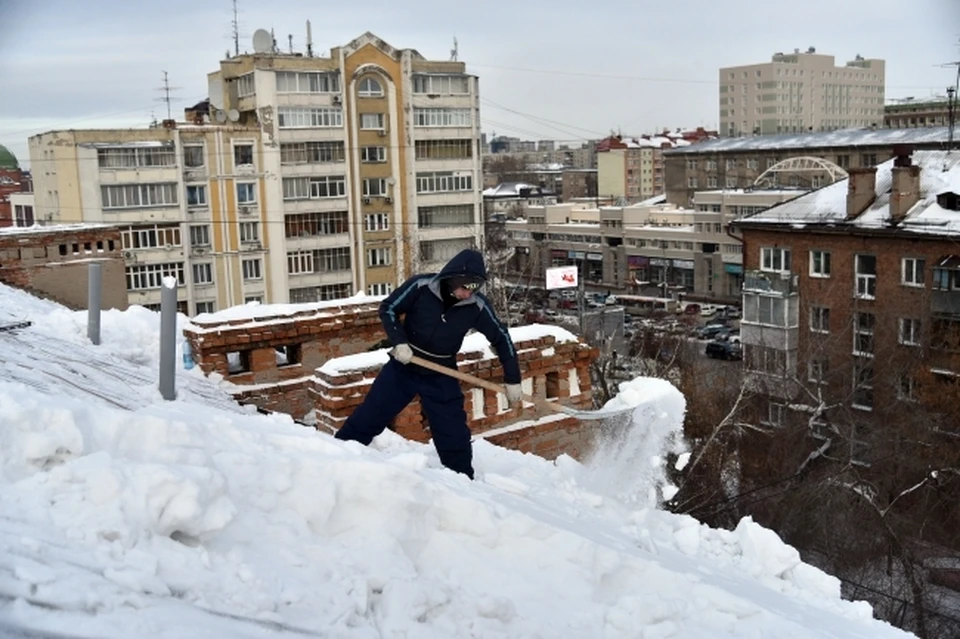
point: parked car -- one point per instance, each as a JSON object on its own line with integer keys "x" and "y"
{"x": 707, "y": 310}
{"x": 710, "y": 331}
{"x": 724, "y": 349}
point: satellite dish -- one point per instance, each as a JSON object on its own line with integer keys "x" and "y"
{"x": 220, "y": 116}
{"x": 262, "y": 41}
{"x": 233, "y": 115}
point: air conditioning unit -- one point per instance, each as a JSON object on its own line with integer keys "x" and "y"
{"x": 245, "y": 210}
{"x": 129, "y": 255}
{"x": 168, "y": 247}
{"x": 382, "y": 133}
{"x": 366, "y": 200}
{"x": 388, "y": 200}
{"x": 199, "y": 251}
{"x": 337, "y": 99}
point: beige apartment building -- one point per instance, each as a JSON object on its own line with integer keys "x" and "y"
{"x": 800, "y": 91}
{"x": 308, "y": 178}
{"x": 632, "y": 168}
{"x": 643, "y": 249}
{"x": 909, "y": 113}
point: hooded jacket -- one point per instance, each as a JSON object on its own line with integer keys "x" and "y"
{"x": 435, "y": 332}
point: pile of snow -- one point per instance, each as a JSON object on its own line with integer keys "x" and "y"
{"x": 122, "y": 515}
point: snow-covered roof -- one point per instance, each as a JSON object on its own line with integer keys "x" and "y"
{"x": 51, "y": 228}
{"x": 512, "y": 189}
{"x": 845, "y": 137}
{"x": 939, "y": 173}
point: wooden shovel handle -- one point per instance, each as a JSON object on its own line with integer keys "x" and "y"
{"x": 483, "y": 383}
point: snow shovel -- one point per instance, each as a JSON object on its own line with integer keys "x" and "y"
{"x": 498, "y": 388}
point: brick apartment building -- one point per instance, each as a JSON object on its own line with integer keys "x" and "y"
{"x": 852, "y": 297}
{"x": 12, "y": 181}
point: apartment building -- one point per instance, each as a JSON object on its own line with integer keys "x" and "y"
{"x": 187, "y": 198}
{"x": 649, "y": 248}
{"x": 737, "y": 163}
{"x": 304, "y": 179}
{"x": 909, "y": 113}
{"x": 852, "y": 295}
{"x": 801, "y": 91}
{"x": 632, "y": 168}
{"x": 375, "y": 146}
{"x": 13, "y": 181}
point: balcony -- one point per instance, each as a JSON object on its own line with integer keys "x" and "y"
{"x": 769, "y": 282}
{"x": 945, "y": 302}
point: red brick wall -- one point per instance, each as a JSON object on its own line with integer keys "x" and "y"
{"x": 15, "y": 185}
{"x": 348, "y": 329}
{"x": 544, "y": 361}
{"x": 55, "y": 264}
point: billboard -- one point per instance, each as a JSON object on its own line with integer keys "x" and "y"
{"x": 562, "y": 277}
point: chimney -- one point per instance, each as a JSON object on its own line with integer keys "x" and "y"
{"x": 861, "y": 190}
{"x": 905, "y": 189}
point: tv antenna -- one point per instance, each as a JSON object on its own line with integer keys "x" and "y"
{"x": 454, "y": 51}
{"x": 236, "y": 30}
{"x": 166, "y": 88}
{"x": 953, "y": 94}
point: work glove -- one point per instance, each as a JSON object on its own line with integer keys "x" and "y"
{"x": 402, "y": 353}
{"x": 514, "y": 393}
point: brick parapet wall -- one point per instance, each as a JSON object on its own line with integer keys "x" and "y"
{"x": 55, "y": 264}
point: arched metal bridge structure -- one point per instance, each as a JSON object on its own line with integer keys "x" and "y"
{"x": 806, "y": 165}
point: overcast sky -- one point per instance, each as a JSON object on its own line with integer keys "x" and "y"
{"x": 562, "y": 69}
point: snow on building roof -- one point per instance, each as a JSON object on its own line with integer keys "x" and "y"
{"x": 51, "y": 228}
{"x": 842, "y": 138}
{"x": 510, "y": 189}
{"x": 939, "y": 173}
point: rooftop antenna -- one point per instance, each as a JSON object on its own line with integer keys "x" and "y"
{"x": 273, "y": 37}
{"x": 309, "y": 41}
{"x": 166, "y": 88}
{"x": 454, "y": 52}
{"x": 290, "y": 42}
{"x": 236, "y": 30}
{"x": 953, "y": 94}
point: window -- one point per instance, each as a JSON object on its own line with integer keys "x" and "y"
{"x": 775, "y": 259}
{"x": 441, "y": 117}
{"x": 245, "y": 85}
{"x": 243, "y": 155}
{"x": 193, "y": 156}
{"x": 249, "y": 231}
{"x": 314, "y": 224}
{"x": 441, "y": 84}
{"x": 730, "y": 182}
{"x": 311, "y": 152}
{"x": 374, "y": 187}
{"x": 288, "y": 355}
{"x": 200, "y": 235}
{"x": 451, "y": 215}
{"x": 774, "y": 415}
{"x": 443, "y": 149}
{"x": 319, "y": 293}
{"x": 132, "y": 196}
{"x": 196, "y": 195}
{"x": 712, "y": 182}
{"x": 866, "y": 272}
{"x": 23, "y": 215}
{"x": 444, "y": 182}
{"x": 817, "y": 371}
{"x": 373, "y": 154}
{"x": 863, "y": 324}
{"x": 379, "y": 257}
{"x": 246, "y": 193}
{"x": 203, "y": 273}
{"x": 377, "y": 222}
{"x": 863, "y": 385}
{"x": 205, "y": 307}
{"x": 314, "y": 188}
{"x": 247, "y": 299}
{"x": 251, "y": 269}
{"x": 819, "y": 319}
{"x": 819, "y": 264}
{"x": 383, "y": 288}
{"x": 691, "y": 165}
{"x": 145, "y": 237}
{"x": 309, "y": 117}
{"x": 136, "y": 158}
{"x": 911, "y": 271}
{"x": 909, "y": 334}
{"x": 144, "y": 277}
{"x": 369, "y": 88}
{"x": 332, "y": 260}
{"x": 299, "y": 82}
{"x": 906, "y": 387}
{"x": 372, "y": 121}
{"x": 691, "y": 182}
{"x": 299, "y": 262}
